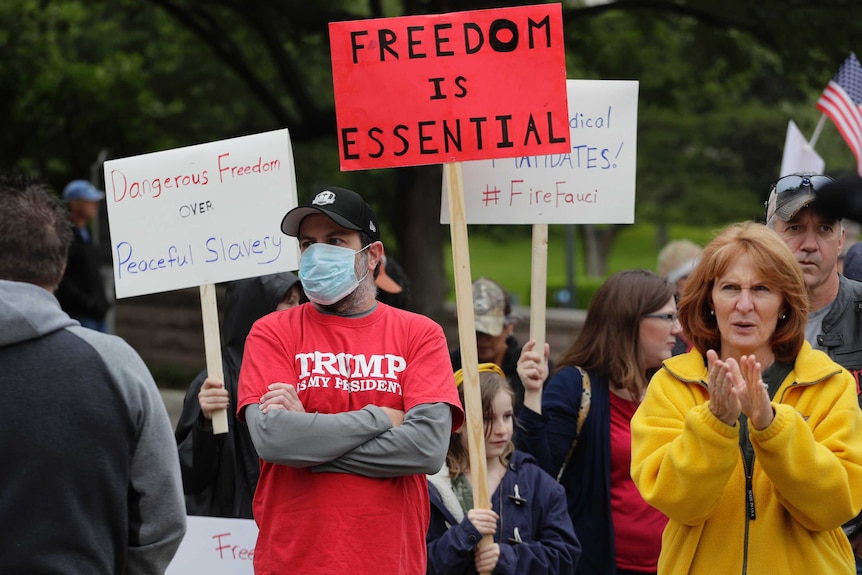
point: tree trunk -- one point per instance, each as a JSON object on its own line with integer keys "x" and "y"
{"x": 597, "y": 247}
{"x": 422, "y": 240}
{"x": 661, "y": 234}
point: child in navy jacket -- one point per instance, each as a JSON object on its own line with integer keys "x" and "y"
{"x": 530, "y": 524}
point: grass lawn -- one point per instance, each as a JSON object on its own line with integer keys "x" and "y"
{"x": 505, "y": 257}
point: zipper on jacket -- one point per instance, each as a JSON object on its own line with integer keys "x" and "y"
{"x": 750, "y": 511}
{"x": 748, "y": 468}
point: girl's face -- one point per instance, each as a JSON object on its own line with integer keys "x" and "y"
{"x": 291, "y": 298}
{"x": 499, "y": 429}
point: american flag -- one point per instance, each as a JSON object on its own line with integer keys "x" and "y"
{"x": 841, "y": 101}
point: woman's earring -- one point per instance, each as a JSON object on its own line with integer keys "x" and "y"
{"x": 712, "y": 312}
{"x": 783, "y": 316}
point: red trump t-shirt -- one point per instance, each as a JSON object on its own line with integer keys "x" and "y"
{"x": 343, "y": 523}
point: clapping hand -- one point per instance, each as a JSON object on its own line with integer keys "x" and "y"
{"x": 737, "y": 387}
{"x": 752, "y": 393}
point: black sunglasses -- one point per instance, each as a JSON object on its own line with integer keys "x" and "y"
{"x": 794, "y": 182}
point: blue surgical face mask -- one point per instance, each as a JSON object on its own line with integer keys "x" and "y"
{"x": 328, "y": 273}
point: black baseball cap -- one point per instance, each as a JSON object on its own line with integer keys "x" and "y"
{"x": 344, "y": 207}
{"x": 841, "y": 198}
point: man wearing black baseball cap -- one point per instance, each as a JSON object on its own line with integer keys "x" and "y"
{"x": 349, "y": 403}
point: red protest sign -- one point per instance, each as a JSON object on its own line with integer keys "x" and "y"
{"x": 451, "y": 87}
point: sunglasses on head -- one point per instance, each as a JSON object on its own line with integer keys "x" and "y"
{"x": 794, "y": 182}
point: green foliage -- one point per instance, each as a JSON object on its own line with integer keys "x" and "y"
{"x": 83, "y": 79}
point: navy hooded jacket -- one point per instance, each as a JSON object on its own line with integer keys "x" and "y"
{"x": 535, "y": 532}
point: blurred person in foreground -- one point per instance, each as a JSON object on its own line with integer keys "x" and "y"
{"x": 81, "y": 292}
{"x": 751, "y": 443}
{"x": 91, "y": 481}
{"x": 531, "y": 529}
{"x": 220, "y": 472}
{"x": 631, "y": 327}
{"x": 349, "y": 403}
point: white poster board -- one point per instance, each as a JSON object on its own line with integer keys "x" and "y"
{"x": 201, "y": 214}
{"x": 594, "y": 183}
{"x": 215, "y": 546}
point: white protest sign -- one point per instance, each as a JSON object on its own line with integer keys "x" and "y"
{"x": 594, "y": 183}
{"x": 201, "y": 214}
{"x": 215, "y": 546}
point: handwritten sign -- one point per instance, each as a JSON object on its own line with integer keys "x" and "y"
{"x": 592, "y": 182}
{"x": 215, "y": 546}
{"x": 451, "y": 87}
{"x": 201, "y": 214}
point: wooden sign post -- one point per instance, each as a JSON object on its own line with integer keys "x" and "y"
{"x": 538, "y": 285}
{"x": 212, "y": 346}
{"x": 467, "y": 340}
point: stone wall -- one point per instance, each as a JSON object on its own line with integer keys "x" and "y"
{"x": 166, "y": 329}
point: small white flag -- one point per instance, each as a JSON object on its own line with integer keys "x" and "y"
{"x": 799, "y": 156}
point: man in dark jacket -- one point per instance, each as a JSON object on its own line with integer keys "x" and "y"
{"x": 90, "y": 483}
{"x": 82, "y": 292}
{"x": 816, "y": 237}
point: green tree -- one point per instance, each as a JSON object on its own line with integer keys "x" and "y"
{"x": 718, "y": 81}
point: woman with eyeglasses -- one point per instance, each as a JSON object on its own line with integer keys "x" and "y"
{"x": 630, "y": 329}
{"x": 751, "y": 443}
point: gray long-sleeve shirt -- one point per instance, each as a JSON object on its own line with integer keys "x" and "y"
{"x": 363, "y": 442}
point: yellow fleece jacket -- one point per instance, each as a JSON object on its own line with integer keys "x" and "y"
{"x": 806, "y": 481}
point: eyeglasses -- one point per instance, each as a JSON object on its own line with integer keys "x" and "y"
{"x": 794, "y": 182}
{"x": 671, "y": 317}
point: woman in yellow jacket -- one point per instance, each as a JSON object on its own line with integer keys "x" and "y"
{"x": 752, "y": 442}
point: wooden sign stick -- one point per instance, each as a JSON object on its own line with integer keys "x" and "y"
{"x": 539, "y": 286}
{"x": 467, "y": 339}
{"x": 212, "y": 343}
